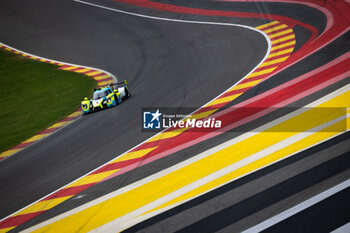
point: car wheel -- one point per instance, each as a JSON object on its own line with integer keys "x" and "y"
{"x": 116, "y": 99}
{"x": 127, "y": 93}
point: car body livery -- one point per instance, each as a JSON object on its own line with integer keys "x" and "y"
{"x": 106, "y": 97}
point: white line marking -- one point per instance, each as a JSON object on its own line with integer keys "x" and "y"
{"x": 134, "y": 217}
{"x": 343, "y": 229}
{"x": 298, "y": 208}
{"x": 203, "y": 155}
{"x": 163, "y": 19}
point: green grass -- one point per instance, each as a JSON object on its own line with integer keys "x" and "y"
{"x": 34, "y": 95}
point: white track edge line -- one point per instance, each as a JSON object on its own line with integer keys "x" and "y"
{"x": 298, "y": 208}
{"x": 197, "y": 157}
{"x": 164, "y": 19}
{"x": 131, "y": 218}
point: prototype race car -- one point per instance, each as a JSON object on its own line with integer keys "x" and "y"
{"x": 106, "y": 97}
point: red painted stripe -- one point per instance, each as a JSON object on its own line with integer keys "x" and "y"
{"x": 282, "y": 36}
{"x": 51, "y": 130}
{"x": 85, "y": 72}
{"x": 277, "y": 31}
{"x": 305, "y": 85}
{"x": 212, "y": 107}
{"x": 275, "y": 58}
{"x": 205, "y": 136}
{"x": 103, "y": 80}
{"x": 18, "y": 220}
{"x": 69, "y": 119}
{"x": 260, "y": 77}
{"x": 272, "y": 26}
{"x": 281, "y": 49}
{"x": 98, "y": 75}
{"x": 79, "y": 68}
{"x": 284, "y": 42}
{"x": 235, "y": 92}
{"x": 315, "y": 46}
{"x": 69, "y": 191}
{"x": 269, "y": 66}
{"x": 22, "y": 145}
{"x": 117, "y": 165}
{"x": 64, "y": 67}
{"x": 91, "y": 71}
{"x": 187, "y": 10}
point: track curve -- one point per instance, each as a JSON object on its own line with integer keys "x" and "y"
{"x": 157, "y": 58}
{"x": 315, "y": 48}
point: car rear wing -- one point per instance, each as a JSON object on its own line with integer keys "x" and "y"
{"x": 118, "y": 84}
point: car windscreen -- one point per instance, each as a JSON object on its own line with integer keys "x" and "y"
{"x": 99, "y": 95}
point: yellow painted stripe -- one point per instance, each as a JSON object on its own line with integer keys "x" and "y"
{"x": 134, "y": 155}
{"x": 115, "y": 207}
{"x": 276, "y": 156}
{"x": 102, "y": 77}
{"x": 82, "y": 70}
{"x": 70, "y": 68}
{"x": 348, "y": 120}
{"x": 279, "y": 46}
{"x": 203, "y": 114}
{"x": 262, "y": 71}
{"x": 267, "y": 25}
{"x": 43, "y": 205}
{"x": 16, "y": 52}
{"x": 275, "y": 28}
{"x": 281, "y": 52}
{"x": 244, "y": 85}
{"x": 166, "y": 135}
{"x": 9, "y": 153}
{"x": 74, "y": 114}
{"x": 3, "y": 230}
{"x": 36, "y": 137}
{"x": 279, "y": 60}
{"x": 94, "y": 73}
{"x": 282, "y": 39}
{"x": 104, "y": 83}
{"x": 92, "y": 178}
{"x": 281, "y": 33}
{"x": 225, "y": 99}
{"x": 59, "y": 124}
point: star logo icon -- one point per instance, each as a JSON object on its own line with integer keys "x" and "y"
{"x": 156, "y": 115}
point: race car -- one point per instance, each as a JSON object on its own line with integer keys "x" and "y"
{"x": 106, "y": 97}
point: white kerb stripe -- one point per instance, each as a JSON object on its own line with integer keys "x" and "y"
{"x": 343, "y": 229}
{"x": 298, "y": 208}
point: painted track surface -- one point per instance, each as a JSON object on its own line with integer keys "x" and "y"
{"x": 217, "y": 140}
{"x": 153, "y": 56}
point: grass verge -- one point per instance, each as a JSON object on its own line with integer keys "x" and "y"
{"x": 34, "y": 95}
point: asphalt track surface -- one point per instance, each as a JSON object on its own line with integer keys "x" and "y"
{"x": 162, "y": 62}
{"x": 166, "y": 64}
